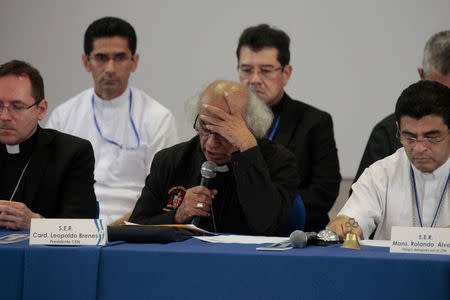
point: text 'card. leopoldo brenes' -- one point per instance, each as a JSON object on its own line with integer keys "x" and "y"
{"x": 71, "y": 232}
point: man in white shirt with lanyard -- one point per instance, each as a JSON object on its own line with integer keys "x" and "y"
{"x": 410, "y": 187}
{"x": 125, "y": 126}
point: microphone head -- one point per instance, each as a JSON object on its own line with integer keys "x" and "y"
{"x": 208, "y": 169}
{"x": 298, "y": 239}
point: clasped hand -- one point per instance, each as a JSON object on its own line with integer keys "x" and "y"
{"x": 15, "y": 215}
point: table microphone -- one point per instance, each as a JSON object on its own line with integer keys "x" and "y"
{"x": 208, "y": 171}
{"x": 325, "y": 237}
{"x": 299, "y": 239}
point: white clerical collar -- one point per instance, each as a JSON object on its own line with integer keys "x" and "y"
{"x": 13, "y": 149}
{"x": 118, "y": 101}
{"x": 442, "y": 171}
{"x": 223, "y": 168}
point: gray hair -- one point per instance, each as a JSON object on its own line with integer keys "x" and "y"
{"x": 436, "y": 53}
{"x": 258, "y": 118}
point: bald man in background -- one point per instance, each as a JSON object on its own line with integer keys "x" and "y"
{"x": 256, "y": 179}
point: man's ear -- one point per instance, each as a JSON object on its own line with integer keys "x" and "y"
{"x": 42, "y": 109}
{"x": 421, "y": 73}
{"x": 135, "y": 62}
{"x": 86, "y": 63}
{"x": 287, "y": 71}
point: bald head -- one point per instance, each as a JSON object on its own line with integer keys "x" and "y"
{"x": 257, "y": 115}
{"x": 238, "y": 96}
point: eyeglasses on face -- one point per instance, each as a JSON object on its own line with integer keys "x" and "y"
{"x": 409, "y": 141}
{"x": 103, "y": 59}
{"x": 16, "y": 107}
{"x": 199, "y": 126}
{"x": 266, "y": 72}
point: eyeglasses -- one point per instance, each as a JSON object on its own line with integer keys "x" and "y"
{"x": 16, "y": 108}
{"x": 408, "y": 141}
{"x": 102, "y": 59}
{"x": 202, "y": 131}
{"x": 266, "y": 72}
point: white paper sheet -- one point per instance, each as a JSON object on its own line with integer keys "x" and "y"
{"x": 241, "y": 239}
{"x": 376, "y": 243}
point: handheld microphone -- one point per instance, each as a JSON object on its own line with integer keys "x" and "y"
{"x": 208, "y": 171}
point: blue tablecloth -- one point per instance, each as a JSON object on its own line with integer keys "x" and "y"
{"x": 195, "y": 269}
{"x": 60, "y": 272}
{"x": 11, "y": 262}
{"x": 48, "y": 272}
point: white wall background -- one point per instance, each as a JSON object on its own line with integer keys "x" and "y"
{"x": 350, "y": 58}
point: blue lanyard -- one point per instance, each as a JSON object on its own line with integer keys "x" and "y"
{"x": 417, "y": 202}
{"x": 131, "y": 121}
{"x": 275, "y": 127}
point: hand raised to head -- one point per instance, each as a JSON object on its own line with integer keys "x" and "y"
{"x": 230, "y": 126}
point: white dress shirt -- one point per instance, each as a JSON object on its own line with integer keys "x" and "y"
{"x": 384, "y": 197}
{"x": 119, "y": 172}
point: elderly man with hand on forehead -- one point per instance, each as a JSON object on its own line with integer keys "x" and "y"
{"x": 256, "y": 179}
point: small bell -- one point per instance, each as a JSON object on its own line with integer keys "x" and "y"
{"x": 351, "y": 240}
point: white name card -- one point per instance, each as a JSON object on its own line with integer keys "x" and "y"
{"x": 424, "y": 240}
{"x": 71, "y": 232}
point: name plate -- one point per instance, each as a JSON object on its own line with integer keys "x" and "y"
{"x": 424, "y": 240}
{"x": 73, "y": 232}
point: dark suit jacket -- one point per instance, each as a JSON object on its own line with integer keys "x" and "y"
{"x": 59, "y": 181}
{"x": 308, "y": 133}
{"x": 382, "y": 142}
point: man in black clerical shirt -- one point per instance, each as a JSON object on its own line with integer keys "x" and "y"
{"x": 43, "y": 173}
{"x": 263, "y": 65}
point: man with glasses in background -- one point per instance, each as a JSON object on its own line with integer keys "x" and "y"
{"x": 125, "y": 126}
{"x": 263, "y": 64}
{"x": 43, "y": 173}
{"x": 409, "y": 187}
{"x": 255, "y": 179}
